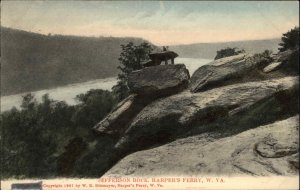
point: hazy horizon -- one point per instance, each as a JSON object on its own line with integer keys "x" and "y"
{"x": 87, "y": 36}
{"x": 160, "y": 22}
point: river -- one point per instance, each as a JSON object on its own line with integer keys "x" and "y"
{"x": 68, "y": 93}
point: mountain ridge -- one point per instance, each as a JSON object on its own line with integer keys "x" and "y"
{"x": 208, "y": 50}
{"x": 33, "y": 61}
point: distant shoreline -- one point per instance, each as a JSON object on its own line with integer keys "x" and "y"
{"x": 68, "y": 92}
{"x": 60, "y": 86}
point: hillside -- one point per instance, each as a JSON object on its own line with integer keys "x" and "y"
{"x": 237, "y": 115}
{"x": 208, "y": 50}
{"x": 32, "y": 61}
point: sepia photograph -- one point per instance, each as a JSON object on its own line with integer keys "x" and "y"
{"x": 158, "y": 95}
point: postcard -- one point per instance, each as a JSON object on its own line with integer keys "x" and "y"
{"x": 158, "y": 95}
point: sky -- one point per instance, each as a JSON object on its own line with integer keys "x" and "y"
{"x": 160, "y": 22}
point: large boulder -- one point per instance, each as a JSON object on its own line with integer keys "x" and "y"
{"x": 234, "y": 106}
{"x": 159, "y": 80}
{"x": 220, "y": 71}
{"x": 148, "y": 84}
{"x": 112, "y": 123}
{"x": 267, "y": 150}
{"x": 117, "y": 121}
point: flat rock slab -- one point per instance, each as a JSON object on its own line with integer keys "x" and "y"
{"x": 229, "y": 60}
{"x": 159, "y": 80}
{"x": 220, "y": 71}
{"x": 271, "y": 67}
{"x": 267, "y": 150}
{"x": 112, "y": 123}
{"x": 117, "y": 121}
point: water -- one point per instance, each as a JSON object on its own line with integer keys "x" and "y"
{"x": 192, "y": 64}
{"x": 68, "y": 93}
{"x": 64, "y": 93}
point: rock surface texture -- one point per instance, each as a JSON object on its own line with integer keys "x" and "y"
{"x": 271, "y": 67}
{"x": 266, "y": 150}
{"x": 147, "y": 87}
{"x": 120, "y": 115}
{"x": 217, "y": 72}
{"x": 180, "y": 113}
{"x": 172, "y": 78}
{"x": 230, "y": 118}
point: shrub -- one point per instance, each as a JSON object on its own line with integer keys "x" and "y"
{"x": 263, "y": 59}
{"x": 228, "y": 52}
{"x": 290, "y": 40}
{"x": 131, "y": 59}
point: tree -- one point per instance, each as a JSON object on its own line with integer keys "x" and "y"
{"x": 290, "y": 40}
{"x": 94, "y": 105}
{"x": 33, "y": 138}
{"x": 261, "y": 59}
{"x": 28, "y": 146}
{"x": 228, "y": 52}
{"x": 131, "y": 59}
{"x": 28, "y": 102}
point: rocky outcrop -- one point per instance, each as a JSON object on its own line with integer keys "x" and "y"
{"x": 272, "y": 149}
{"x": 146, "y": 87}
{"x": 271, "y": 67}
{"x": 220, "y": 71}
{"x": 172, "y": 79}
{"x": 235, "y": 59}
{"x": 191, "y": 113}
{"x": 117, "y": 121}
{"x": 211, "y": 119}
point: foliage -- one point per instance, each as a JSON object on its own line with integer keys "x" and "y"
{"x": 291, "y": 65}
{"x": 228, "y": 52}
{"x": 290, "y": 40}
{"x": 131, "y": 59}
{"x": 37, "y": 136}
{"x": 262, "y": 59}
{"x": 28, "y": 147}
{"x": 94, "y": 105}
{"x": 97, "y": 159}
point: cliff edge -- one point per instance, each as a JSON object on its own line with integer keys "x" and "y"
{"x": 235, "y": 116}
